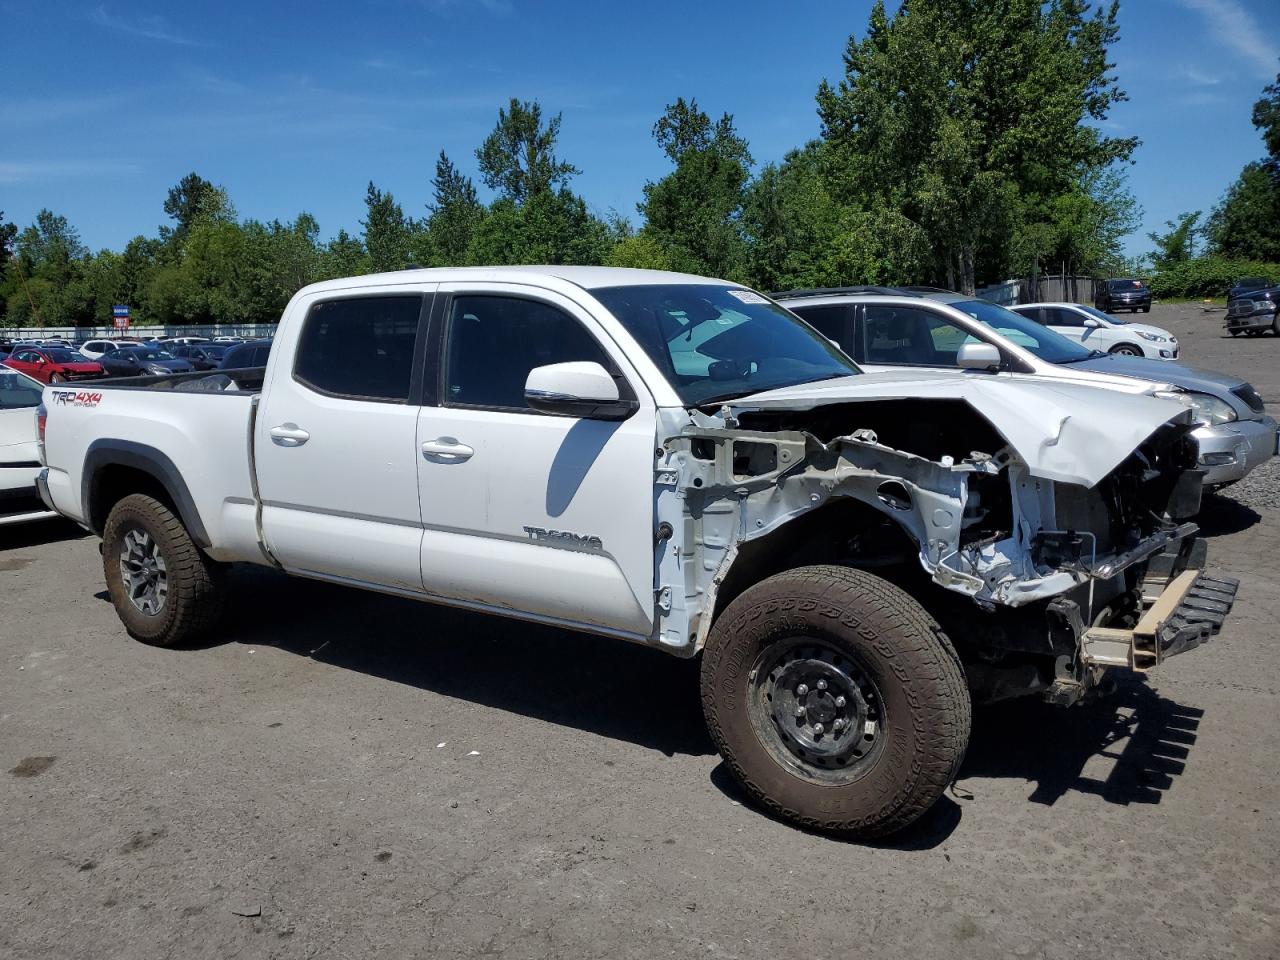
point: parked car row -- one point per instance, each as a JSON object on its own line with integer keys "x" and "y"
{"x": 96, "y": 359}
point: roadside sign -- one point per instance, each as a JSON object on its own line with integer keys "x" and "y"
{"x": 120, "y": 316}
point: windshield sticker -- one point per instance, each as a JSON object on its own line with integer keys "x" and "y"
{"x": 747, "y": 296}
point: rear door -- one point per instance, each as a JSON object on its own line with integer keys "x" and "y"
{"x": 335, "y": 443}
{"x": 1066, "y": 322}
{"x": 548, "y": 516}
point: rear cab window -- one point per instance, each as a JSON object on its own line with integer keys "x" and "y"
{"x": 359, "y": 348}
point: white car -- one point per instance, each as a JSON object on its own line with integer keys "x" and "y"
{"x": 1103, "y": 332}
{"x": 19, "y": 449}
{"x": 96, "y": 349}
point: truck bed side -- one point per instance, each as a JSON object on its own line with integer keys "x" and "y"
{"x": 106, "y": 440}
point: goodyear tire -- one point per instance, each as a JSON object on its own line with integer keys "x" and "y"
{"x": 836, "y": 700}
{"x": 165, "y": 591}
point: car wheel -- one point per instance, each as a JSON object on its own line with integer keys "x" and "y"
{"x": 1126, "y": 350}
{"x": 165, "y": 591}
{"x": 55, "y": 378}
{"x": 1146, "y": 309}
{"x": 836, "y": 700}
{"x": 1275, "y": 326}
{"x": 1234, "y": 333}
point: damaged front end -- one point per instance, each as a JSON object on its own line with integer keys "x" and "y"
{"x": 1043, "y": 584}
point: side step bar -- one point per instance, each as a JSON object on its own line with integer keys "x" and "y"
{"x": 1188, "y": 612}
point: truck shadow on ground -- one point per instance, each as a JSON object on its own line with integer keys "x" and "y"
{"x": 1134, "y": 743}
{"x": 1220, "y": 515}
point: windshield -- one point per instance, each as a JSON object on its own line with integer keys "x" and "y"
{"x": 149, "y": 353}
{"x": 1095, "y": 312}
{"x": 1251, "y": 283}
{"x": 17, "y": 391}
{"x": 1044, "y": 343}
{"x": 1124, "y": 284}
{"x": 64, "y": 356}
{"x": 717, "y": 343}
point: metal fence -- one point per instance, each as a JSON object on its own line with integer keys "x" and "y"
{"x": 1044, "y": 289}
{"x": 137, "y": 333}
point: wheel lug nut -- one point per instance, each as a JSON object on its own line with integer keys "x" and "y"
{"x": 818, "y": 728}
{"x": 799, "y": 711}
{"x": 840, "y": 701}
{"x": 838, "y": 723}
{"x": 802, "y": 690}
{"x": 822, "y": 684}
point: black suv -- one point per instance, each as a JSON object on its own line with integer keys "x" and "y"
{"x": 1128, "y": 294}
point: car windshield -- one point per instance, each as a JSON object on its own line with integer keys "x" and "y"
{"x": 1095, "y": 312}
{"x": 717, "y": 343}
{"x": 1251, "y": 283}
{"x": 149, "y": 353}
{"x": 17, "y": 391}
{"x": 1046, "y": 344}
{"x": 1125, "y": 284}
{"x": 58, "y": 355}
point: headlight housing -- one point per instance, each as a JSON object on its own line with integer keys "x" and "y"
{"x": 1208, "y": 408}
{"x": 1266, "y": 304}
{"x": 1152, "y": 336}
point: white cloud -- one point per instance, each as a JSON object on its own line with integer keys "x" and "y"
{"x": 44, "y": 171}
{"x": 1197, "y": 77}
{"x": 1237, "y": 28}
{"x": 151, "y": 28}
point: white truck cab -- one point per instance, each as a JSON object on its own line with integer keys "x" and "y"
{"x": 676, "y": 461}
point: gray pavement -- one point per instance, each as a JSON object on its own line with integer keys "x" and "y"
{"x": 348, "y": 775}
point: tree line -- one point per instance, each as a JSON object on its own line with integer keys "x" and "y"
{"x": 961, "y": 144}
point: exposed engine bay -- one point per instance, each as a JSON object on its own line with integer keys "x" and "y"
{"x": 1015, "y": 566}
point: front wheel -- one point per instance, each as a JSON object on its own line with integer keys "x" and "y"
{"x": 1146, "y": 309}
{"x": 1126, "y": 350}
{"x": 55, "y": 378}
{"x": 165, "y": 591}
{"x": 836, "y": 700}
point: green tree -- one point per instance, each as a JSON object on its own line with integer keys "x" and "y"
{"x": 550, "y": 227}
{"x": 695, "y": 211}
{"x": 195, "y": 200}
{"x": 344, "y": 256}
{"x": 1178, "y": 243}
{"x": 1266, "y": 117}
{"x": 954, "y": 113}
{"x": 518, "y": 158}
{"x": 1246, "y": 222}
{"x": 453, "y": 215}
{"x": 388, "y": 233}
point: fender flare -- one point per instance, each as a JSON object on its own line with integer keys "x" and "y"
{"x": 106, "y": 452}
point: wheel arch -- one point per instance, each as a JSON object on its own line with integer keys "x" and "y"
{"x": 1116, "y": 347}
{"x": 115, "y": 468}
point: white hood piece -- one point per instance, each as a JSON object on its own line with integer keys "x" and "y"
{"x": 1063, "y": 432}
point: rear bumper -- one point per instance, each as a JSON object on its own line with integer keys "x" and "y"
{"x": 1228, "y": 451}
{"x": 42, "y": 488}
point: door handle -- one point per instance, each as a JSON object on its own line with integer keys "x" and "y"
{"x": 288, "y": 435}
{"x": 446, "y": 450}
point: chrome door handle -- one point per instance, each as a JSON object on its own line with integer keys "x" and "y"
{"x": 288, "y": 435}
{"x": 446, "y": 450}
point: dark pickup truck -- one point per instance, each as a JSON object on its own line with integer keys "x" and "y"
{"x": 1253, "y": 312}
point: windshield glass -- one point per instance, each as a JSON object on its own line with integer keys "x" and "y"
{"x": 18, "y": 391}
{"x": 717, "y": 343}
{"x": 1046, "y": 344}
{"x": 65, "y": 356}
{"x": 1125, "y": 284}
{"x": 1094, "y": 312}
{"x": 149, "y": 353}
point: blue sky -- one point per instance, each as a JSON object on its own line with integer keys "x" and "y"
{"x": 296, "y": 106}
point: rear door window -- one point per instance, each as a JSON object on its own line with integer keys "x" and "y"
{"x": 830, "y": 320}
{"x": 910, "y": 336}
{"x": 360, "y": 348}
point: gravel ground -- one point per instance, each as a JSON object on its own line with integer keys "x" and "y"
{"x": 349, "y": 775}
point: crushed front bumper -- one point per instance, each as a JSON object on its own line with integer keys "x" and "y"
{"x": 1228, "y": 451}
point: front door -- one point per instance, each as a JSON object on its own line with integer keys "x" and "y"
{"x": 547, "y": 516}
{"x": 335, "y": 439}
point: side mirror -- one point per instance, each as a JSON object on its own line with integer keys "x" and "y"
{"x": 581, "y": 388}
{"x": 1092, "y": 322}
{"x": 978, "y": 356}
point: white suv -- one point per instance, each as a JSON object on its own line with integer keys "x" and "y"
{"x": 1103, "y": 332}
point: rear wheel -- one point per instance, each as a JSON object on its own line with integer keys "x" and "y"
{"x": 165, "y": 591}
{"x": 836, "y": 700}
{"x": 55, "y": 378}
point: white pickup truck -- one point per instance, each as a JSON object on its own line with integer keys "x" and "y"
{"x": 678, "y": 462}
